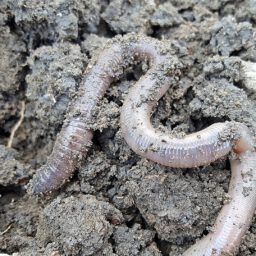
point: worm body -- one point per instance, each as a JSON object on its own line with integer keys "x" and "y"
{"x": 75, "y": 136}
{"x": 235, "y": 217}
{"x": 196, "y": 149}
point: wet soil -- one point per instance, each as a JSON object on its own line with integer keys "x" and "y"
{"x": 117, "y": 203}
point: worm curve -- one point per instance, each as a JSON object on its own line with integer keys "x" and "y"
{"x": 193, "y": 150}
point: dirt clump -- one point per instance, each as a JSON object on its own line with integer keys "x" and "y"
{"x": 117, "y": 203}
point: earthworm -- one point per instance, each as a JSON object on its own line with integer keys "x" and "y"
{"x": 193, "y": 150}
{"x": 75, "y": 136}
{"x": 235, "y": 217}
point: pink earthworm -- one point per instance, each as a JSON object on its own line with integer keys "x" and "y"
{"x": 75, "y": 136}
{"x": 193, "y": 150}
{"x": 235, "y": 217}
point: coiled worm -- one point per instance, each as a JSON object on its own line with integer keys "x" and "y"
{"x": 196, "y": 149}
{"x": 75, "y": 136}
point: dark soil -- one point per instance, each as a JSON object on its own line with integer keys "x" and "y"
{"x": 117, "y": 203}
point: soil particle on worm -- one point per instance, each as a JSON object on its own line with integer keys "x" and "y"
{"x": 132, "y": 206}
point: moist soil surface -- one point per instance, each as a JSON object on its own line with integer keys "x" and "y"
{"x": 117, "y": 203}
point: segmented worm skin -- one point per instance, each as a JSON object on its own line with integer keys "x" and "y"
{"x": 193, "y": 150}
{"x": 235, "y": 217}
{"x": 75, "y": 137}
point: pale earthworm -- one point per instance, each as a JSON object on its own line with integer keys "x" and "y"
{"x": 235, "y": 217}
{"x": 75, "y": 136}
{"x": 196, "y": 149}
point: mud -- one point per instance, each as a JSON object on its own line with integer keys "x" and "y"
{"x": 117, "y": 203}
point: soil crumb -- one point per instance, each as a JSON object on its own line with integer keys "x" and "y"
{"x": 118, "y": 204}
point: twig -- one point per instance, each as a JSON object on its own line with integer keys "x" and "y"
{"x": 17, "y": 125}
{"x": 6, "y": 230}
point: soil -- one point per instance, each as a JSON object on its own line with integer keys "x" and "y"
{"x": 117, "y": 203}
